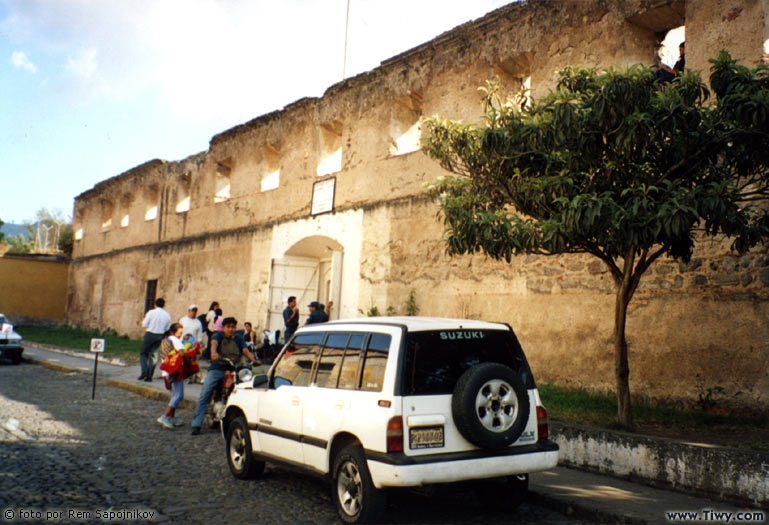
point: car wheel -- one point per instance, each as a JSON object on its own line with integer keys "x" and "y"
{"x": 240, "y": 456}
{"x": 490, "y": 405}
{"x": 354, "y": 494}
{"x": 16, "y": 359}
{"x": 503, "y": 494}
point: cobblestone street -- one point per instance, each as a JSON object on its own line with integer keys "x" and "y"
{"x": 62, "y": 453}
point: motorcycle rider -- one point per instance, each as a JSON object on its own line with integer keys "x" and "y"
{"x": 224, "y": 344}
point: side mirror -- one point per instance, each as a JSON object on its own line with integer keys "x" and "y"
{"x": 259, "y": 380}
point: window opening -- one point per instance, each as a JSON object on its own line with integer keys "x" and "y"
{"x": 515, "y": 78}
{"x": 150, "y": 295}
{"x": 271, "y": 161}
{"x": 668, "y": 52}
{"x": 125, "y": 220}
{"x": 152, "y": 198}
{"x": 406, "y": 124}
{"x": 183, "y": 205}
{"x": 79, "y": 234}
{"x": 223, "y": 171}
{"x": 330, "y": 154}
{"x": 107, "y": 211}
{"x": 151, "y": 214}
{"x": 184, "y": 191}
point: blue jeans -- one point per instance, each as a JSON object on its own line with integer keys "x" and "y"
{"x": 209, "y": 384}
{"x": 177, "y": 393}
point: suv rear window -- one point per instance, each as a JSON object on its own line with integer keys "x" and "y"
{"x": 435, "y": 360}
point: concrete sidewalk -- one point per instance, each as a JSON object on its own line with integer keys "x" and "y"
{"x": 591, "y": 497}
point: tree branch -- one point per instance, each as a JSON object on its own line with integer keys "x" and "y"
{"x": 643, "y": 264}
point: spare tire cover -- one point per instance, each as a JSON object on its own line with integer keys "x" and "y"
{"x": 490, "y": 405}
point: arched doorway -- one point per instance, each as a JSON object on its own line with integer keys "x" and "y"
{"x": 310, "y": 270}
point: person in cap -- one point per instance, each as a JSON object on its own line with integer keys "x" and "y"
{"x": 191, "y": 324}
{"x": 322, "y": 308}
{"x": 316, "y": 314}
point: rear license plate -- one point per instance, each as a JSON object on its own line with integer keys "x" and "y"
{"x": 426, "y": 437}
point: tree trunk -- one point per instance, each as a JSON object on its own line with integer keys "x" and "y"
{"x": 621, "y": 368}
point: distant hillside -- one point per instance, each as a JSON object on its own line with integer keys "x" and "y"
{"x": 14, "y": 229}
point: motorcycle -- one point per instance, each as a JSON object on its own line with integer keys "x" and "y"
{"x": 215, "y": 409}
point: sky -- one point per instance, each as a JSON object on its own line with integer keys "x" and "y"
{"x": 92, "y": 88}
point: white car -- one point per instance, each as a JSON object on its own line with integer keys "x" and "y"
{"x": 394, "y": 402}
{"x": 10, "y": 342}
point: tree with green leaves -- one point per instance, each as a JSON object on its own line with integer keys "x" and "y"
{"x": 2, "y": 235}
{"x": 613, "y": 164}
{"x": 19, "y": 244}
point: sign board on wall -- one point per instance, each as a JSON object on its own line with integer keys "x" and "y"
{"x": 323, "y": 196}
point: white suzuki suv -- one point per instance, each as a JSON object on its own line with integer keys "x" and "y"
{"x": 394, "y": 402}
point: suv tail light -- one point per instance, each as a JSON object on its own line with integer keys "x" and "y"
{"x": 542, "y": 430}
{"x": 395, "y": 434}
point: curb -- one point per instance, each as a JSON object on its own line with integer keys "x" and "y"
{"x": 737, "y": 476}
{"x": 84, "y": 354}
{"x": 144, "y": 391}
{"x": 150, "y": 393}
{"x": 584, "y": 512}
{"x": 52, "y": 366}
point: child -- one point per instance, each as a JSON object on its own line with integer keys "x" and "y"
{"x": 172, "y": 367}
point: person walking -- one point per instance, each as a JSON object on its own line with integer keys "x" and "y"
{"x": 171, "y": 356}
{"x": 290, "y": 318}
{"x": 156, "y": 322}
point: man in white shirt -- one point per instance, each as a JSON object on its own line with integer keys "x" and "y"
{"x": 157, "y": 321}
{"x": 191, "y": 324}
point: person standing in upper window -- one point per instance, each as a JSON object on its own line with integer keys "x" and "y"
{"x": 666, "y": 73}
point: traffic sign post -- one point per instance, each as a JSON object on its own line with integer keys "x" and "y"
{"x": 97, "y": 347}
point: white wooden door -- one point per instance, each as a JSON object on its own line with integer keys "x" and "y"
{"x": 297, "y": 276}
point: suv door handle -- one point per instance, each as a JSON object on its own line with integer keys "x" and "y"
{"x": 339, "y": 404}
{"x": 295, "y": 401}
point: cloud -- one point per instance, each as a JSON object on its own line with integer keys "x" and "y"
{"x": 83, "y": 66}
{"x": 19, "y": 60}
{"x": 220, "y": 62}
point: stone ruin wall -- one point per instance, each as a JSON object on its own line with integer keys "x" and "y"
{"x": 691, "y": 327}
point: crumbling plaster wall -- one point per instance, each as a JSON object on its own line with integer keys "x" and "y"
{"x": 108, "y": 291}
{"x": 691, "y": 327}
{"x": 712, "y": 25}
{"x": 444, "y": 74}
